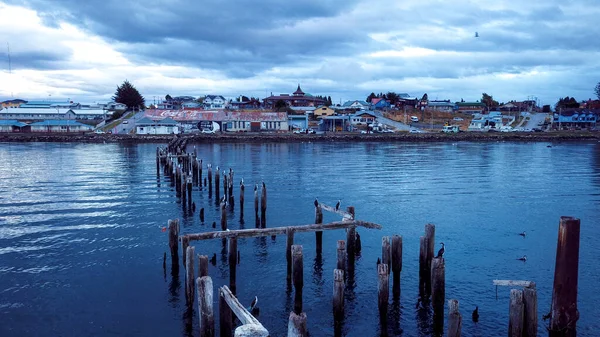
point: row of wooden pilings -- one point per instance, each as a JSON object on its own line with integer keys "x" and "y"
{"x": 186, "y": 171}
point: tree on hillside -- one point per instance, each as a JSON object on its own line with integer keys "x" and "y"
{"x": 370, "y": 97}
{"x": 546, "y": 108}
{"x": 489, "y": 101}
{"x": 392, "y": 97}
{"x": 329, "y": 102}
{"x": 597, "y": 90}
{"x": 168, "y": 98}
{"x": 127, "y": 94}
{"x": 566, "y": 103}
{"x": 280, "y": 105}
{"x": 425, "y": 98}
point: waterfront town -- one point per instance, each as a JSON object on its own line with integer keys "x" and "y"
{"x": 298, "y": 112}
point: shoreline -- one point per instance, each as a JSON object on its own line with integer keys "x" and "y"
{"x": 299, "y": 138}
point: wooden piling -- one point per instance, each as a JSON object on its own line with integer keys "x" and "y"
{"x": 289, "y": 232}
{"x": 319, "y": 234}
{"x": 423, "y": 292}
{"x": 396, "y": 264}
{"x": 225, "y": 186}
{"x": 205, "y": 306}
{"x": 263, "y": 206}
{"x": 200, "y": 174}
{"x": 564, "y": 314}
{"x": 351, "y": 240}
{"x": 530, "y": 328}
{"x": 183, "y": 189}
{"x": 516, "y": 313}
{"x": 338, "y": 293}
{"x": 256, "y": 206}
{"x": 242, "y": 189}
{"x": 223, "y": 216}
{"x": 190, "y": 277}
{"x": 225, "y": 316}
{"x": 202, "y": 265}
{"x": 430, "y": 235}
{"x": 185, "y": 242}
{"x": 438, "y": 292}
{"x": 202, "y": 215}
{"x": 386, "y": 252}
{"x": 233, "y": 253}
{"x": 190, "y": 186}
{"x": 341, "y": 255}
{"x": 298, "y": 271}
{"x": 454, "y": 319}
{"x": 173, "y": 242}
{"x": 217, "y": 183}
{"x": 297, "y": 325}
{"x": 383, "y": 293}
{"x": 209, "y": 169}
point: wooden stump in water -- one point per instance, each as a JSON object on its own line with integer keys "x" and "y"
{"x": 173, "y": 239}
{"x": 338, "y": 294}
{"x": 423, "y": 274}
{"x": 454, "y": 319}
{"x": 516, "y": 313}
{"x": 223, "y": 216}
{"x": 297, "y": 325}
{"x": 209, "y": 169}
{"x": 351, "y": 240}
{"x": 202, "y": 215}
{"x": 205, "y": 306}
{"x": 383, "y": 293}
{"x": 430, "y": 235}
{"x": 189, "y": 275}
{"x": 256, "y": 206}
{"x": 438, "y": 293}
{"x": 531, "y": 311}
{"x": 396, "y": 264}
{"x": 564, "y": 314}
{"x": 298, "y": 271}
{"x": 217, "y": 184}
{"x": 319, "y": 234}
{"x": 233, "y": 254}
{"x": 225, "y": 316}
{"x": 263, "y": 206}
{"x": 289, "y": 232}
{"x": 202, "y": 265}
{"x": 386, "y": 252}
{"x": 242, "y": 189}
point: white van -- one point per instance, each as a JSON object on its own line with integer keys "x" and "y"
{"x": 414, "y": 119}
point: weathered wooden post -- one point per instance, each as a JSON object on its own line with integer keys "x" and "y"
{"x": 173, "y": 241}
{"x": 564, "y": 314}
{"x": 217, "y": 183}
{"x": 454, "y": 319}
{"x": 233, "y": 253}
{"x": 338, "y": 293}
{"x": 209, "y": 168}
{"x": 200, "y": 174}
{"x": 516, "y": 313}
{"x": 386, "y": 252}
{"x": 438, "y": 292}
{"x": 205, "y": 306}
{"x": 383, "y": 293}
{"x": 351, "y": 240}
{"x": 341, "y": 255}
{"x": 225, "y": 186}
{"x": 263, "y": 206}
{"x": 185, "y": 242}
{"x": 190, "y": 186}
{"x": 223, "y": 216}
{"x": 256, "y": 206}
{"x": 242, "y": 189}
{"x": 183, "y": 190}
{"x": 202, "y": 215}
{"x": 319, "y": 234}
{"x": 297, "y": 325}
{"x": 230, "y": 185}
{"x": 531, "y": 311}
{"x": 423, "y": 243}
{"x": 190, "y": 277}
{"x": 225, "y": 316}
{"x": 396, "y": 264}
{"x": 430, "y": 235}
{"x": 289, "y": 232}
{"x": 298, "y": 271}
{"x": 202, "y": 265}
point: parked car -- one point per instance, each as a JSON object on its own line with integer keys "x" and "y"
{"x": 208, "y": 131}
{"x": 387, "y": 131}
{"x": 300, "y": 131}
{"x": 311, "y": 131}
{"x": 125, "y": 122}
{"x": 458, "y": 119}
{"x": 414, "y": 119}
{"x": 415, "y": 131}
{"x": 99, "y": 131}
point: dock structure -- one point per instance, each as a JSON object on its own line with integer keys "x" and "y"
{"x": 185, "y": 170}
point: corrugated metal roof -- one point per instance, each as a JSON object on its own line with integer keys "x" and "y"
{"x": 59, "y": 122}
{"x": 12, "y": 122}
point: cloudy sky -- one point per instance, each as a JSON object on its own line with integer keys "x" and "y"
{"x": 83, "y": 49}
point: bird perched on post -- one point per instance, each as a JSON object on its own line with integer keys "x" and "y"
{"x": 441, "y": 251}
{"x": 316, "y": 202}
{"x": 337, "y": 206}
{"x": 378, "y": 261}
{"x": 476, "y": 314}
{"x": 242, "y": 182}
{"x": 255, "y": 187}
{"x": 253, "y": 308}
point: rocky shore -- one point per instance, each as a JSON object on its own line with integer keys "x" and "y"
{"x": 286, "y": 137}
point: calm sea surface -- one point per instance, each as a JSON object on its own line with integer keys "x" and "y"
{"x": 81, "y": 245}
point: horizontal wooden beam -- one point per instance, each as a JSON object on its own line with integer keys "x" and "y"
{"x": 240, "y": 311}
{"x": 257, "y": 232}
{"x": 513, "y": 283}
{"x": 341, "y": 212}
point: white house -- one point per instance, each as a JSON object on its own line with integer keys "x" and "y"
{"x": 60, "y": 125}
{"x": 362, "y": 118}
{"x": 214, "y": 102}
{"x": 9, "y": 125}
{"x": 146, "y": 126}
{"x": 358, "y": 105}
{"x": 38, "y": 114}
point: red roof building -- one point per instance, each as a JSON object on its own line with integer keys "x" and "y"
{"x": 297, "y": 98}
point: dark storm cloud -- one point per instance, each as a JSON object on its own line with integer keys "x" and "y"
{"x": 40, "y": 60}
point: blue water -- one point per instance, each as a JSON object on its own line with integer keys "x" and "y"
{"x": 81, "y": 245}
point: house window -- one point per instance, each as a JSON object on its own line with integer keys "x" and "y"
{"x": 141, "y": 128}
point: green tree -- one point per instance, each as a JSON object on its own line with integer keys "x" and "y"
{"x": 546, "y": 108}
{"x": 489, "y": 101}
{"x": 597, "y": 90}
{"x": 370, "y": 97}
{"x": 168, "y": 98}
{"x": 127, "y": 94}
{"x": 280, "y": 105}
{"x": 392, "y": 97}
{"x": 329, "y": 102}
{"x": 566, "y": 103}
